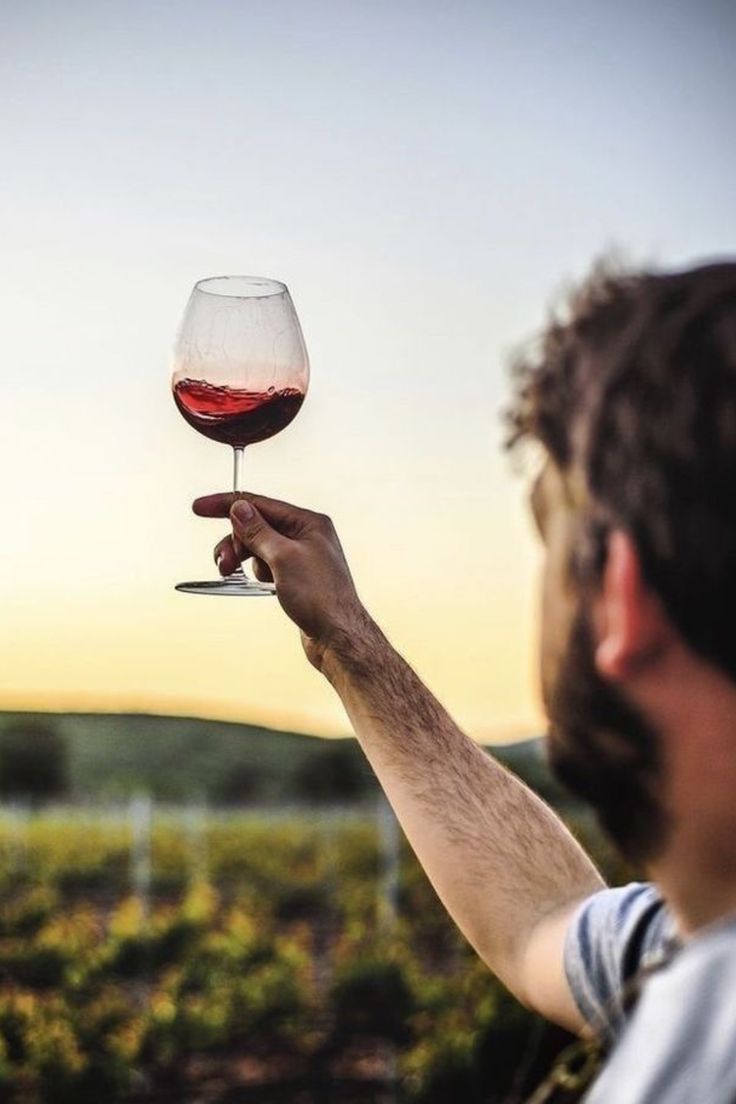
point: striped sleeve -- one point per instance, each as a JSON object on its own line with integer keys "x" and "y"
{"x": 607, "y": 939}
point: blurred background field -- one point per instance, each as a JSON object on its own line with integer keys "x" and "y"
{"x": 184, "y": 941}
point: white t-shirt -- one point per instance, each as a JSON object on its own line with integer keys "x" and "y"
{"x": 678, "y": 1045}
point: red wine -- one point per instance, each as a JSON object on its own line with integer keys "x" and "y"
{"x": 234, "y": 416}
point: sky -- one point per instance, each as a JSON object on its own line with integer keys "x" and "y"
{"x": 426, "y": 178}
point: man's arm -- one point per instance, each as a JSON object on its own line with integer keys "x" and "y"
{"x": 503, "y": 863}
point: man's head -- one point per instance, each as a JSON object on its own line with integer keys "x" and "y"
{"x": 633, "y": 397}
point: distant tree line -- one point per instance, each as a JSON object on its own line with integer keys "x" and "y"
{"x": 36, "y": 767}
{"x": 34, "y": 762}
{"x": 333, "y": 775}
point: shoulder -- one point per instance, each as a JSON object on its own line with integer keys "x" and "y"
{"x": 680, "y": 1042}
{"x": 611, "y": 934}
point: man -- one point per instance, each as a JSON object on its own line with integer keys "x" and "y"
{"x": 633, "y": 398}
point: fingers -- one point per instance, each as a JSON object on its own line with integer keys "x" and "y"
{"x": 214, "y": 505}
{"x": 229, "y": 554}
{"x": 262, "y": 571}
{"x": 285, "y": 518}
{"x": 256, "y": 535}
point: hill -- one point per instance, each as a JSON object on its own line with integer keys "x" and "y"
{"x": 112, "y": 755}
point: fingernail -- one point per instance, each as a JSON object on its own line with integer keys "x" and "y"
{"x": 242, "y": 510}
{"x": 218, "y": 560}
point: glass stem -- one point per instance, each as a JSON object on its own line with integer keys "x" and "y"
{"x": 238, "y": 451}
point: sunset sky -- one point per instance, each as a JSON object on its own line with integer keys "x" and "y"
{"x": 425, "y": 177}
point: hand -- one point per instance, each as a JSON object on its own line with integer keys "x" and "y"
{"x": 300, "y": 552}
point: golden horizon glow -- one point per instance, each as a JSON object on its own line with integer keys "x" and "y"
{"x": 193, "y": 656}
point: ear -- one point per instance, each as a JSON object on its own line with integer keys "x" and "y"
{"x": 630, "y": 626}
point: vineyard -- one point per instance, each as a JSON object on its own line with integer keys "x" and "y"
{"x": 153, "y": 956}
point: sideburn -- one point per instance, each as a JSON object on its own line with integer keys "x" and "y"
{"x": 604, "y": 750}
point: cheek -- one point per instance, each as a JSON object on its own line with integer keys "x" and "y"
{"x": 548, "y": 650}
{"x": 557, "y": 609}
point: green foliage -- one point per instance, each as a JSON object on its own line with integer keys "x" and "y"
{"x": 337, "y": 774}
{"x": 283, "y": 951}
{"x": 34, "y": 761}
{"x": 24, "y": 908}
{"x": 242, "y": 784}
{"x": 372, "y": 995}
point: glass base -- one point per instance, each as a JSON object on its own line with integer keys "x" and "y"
{"x": 237, "y": 585}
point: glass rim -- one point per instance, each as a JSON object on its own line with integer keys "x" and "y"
{"x": 241, "y": 287}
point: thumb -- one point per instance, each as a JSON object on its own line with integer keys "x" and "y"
{"x": 254, "y": 532}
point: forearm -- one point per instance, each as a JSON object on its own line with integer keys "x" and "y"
{"x": 498, "y": 856}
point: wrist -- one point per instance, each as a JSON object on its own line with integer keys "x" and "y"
{"x": 350, "y": 652}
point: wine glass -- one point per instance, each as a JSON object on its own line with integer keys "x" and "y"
{"x": 240, "y": 374}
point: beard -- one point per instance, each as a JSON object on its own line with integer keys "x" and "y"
{"x": 603, "y": 749}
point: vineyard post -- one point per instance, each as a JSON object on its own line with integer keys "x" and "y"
{"x": 140, "y": 850}
{"x": 389, "y": 858}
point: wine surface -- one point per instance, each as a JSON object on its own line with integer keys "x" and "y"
{"x": 235, "y": 416}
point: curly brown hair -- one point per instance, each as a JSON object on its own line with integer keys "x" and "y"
{"x": 633, "y": 388}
